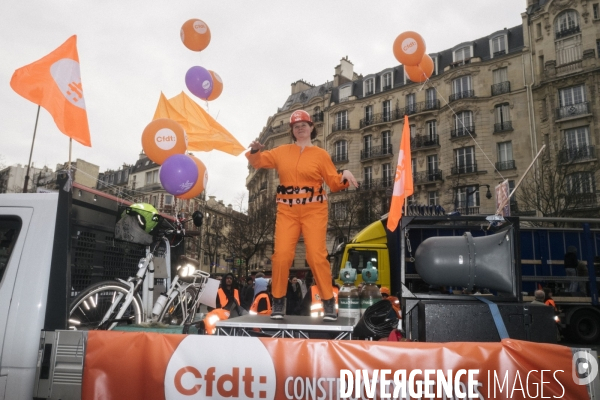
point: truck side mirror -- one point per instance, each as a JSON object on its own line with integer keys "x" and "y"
{"x": 197, "y": 218}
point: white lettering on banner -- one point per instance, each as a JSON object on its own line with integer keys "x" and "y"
{"x": 409, "y": 45}
{"x": 67, "y": 76}
{"x": 212, "y": 367}
{"x": 165, "y": 139}
{"x": 528, "y": 386}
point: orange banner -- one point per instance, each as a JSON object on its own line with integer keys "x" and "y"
{"x": 151, "y": 366}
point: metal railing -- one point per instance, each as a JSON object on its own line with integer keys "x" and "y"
{"x": 579, "y": 153}
{"x": 567, "y": 32}
{"x": 462, "y": 95}
{"x": 376, "y": 152}
{"x": 464, "y": 168}
{"x": 500, "y": 88}
{"x": 386, "y": 87}
{"x": 504, "y": 165}
{"x": 376, "y": 184}
{"x": 499, "y": 53}
{"x": 463, "y": 131}
{"x": 503, "y": 126}
{"x": 573, "y": 110}
{"x": 381, "y": 118}
{"x": 340, "y": 126}
{"x": 335, "y": 157}
{"x": 421, "y": 141}
{"x": 582, "y": 200}
{"x": 427, "y": 176}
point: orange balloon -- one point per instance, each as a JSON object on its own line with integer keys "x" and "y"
{"x": 409, "y": 48}
{"x": 195, "y": 34}
{"x": 421, "y": 72}
{"x": 163, "y": 138}
{"x": 200, "y": 184}
{"x": 217, "y": 86}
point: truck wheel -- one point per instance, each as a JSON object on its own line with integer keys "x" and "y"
{"x": 585, "y": 327}
{"x": 179, "y": 307}
{"x": 90, "y": 306}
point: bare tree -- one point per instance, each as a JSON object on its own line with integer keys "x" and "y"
{"x": 251, "y": 232}
{"x": 562, "y": 186}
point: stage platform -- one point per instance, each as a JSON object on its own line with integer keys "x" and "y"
{"x": 291, "y": 326}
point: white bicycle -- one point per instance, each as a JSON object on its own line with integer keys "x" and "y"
{"x": 107, "y": 304}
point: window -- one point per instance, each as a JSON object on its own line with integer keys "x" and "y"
{"x": 387, "y": 110}
{"x": 580, "y": 182}
{"x": 369, "y": 87}
{"x": 413, "y": 131}
{"x": 168, "y": 200}
{"x": 151, "y": 177}
{"x": 502, "y": 118}
{"x": 367, "y": 145}
{"x": 463, "y": 124}
{"x": 462, "y": 54}
{"x": 538, "y": 30}
{"x": 432, "y": 164}
{"x": 596, "y": 11}
{"x": 467, "y": 196}
{"x": 154, "y": 200}
{"x": 341, "y": 120}
{"x": 568, "y": 50}
{"x": 386, "y": 81}
{"x": 566, "y": 23}
{"x": 345, "y": 93}
{"x": 577, "y": 137}
{"x": 126, "y": 175}
{"x": 461, "y": 88}
{"x": 571, "y": 95}
{"x": 430, "y": 99}
{"x": 498, "y": 46}
{"x": 339, "y": 210}
{"x": 368, "y": 115}
{"x": 9, "y": 232}
{"x": 432, "y": 198}
{"x": 411, "y": 103}
{"x": 413, "y": 165}
{"x": 501, "y": 84}
{"x": 465, "y": 160}
{"x": 505, "y": 156}
{"x": 500, "y": 75}
{"x": 119, "y": 177}
{"x": 341, "y": 151}
{"x": 432, "y": 131}
{"x": 368, "y": 176}
{"x": 386, "y": 142}
{"x": 388, "y": 178}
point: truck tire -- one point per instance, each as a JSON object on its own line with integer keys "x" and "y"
{"x": 585, "y": 327}
{"x": 179, "y": 307}
{"x": 89, "y": 307}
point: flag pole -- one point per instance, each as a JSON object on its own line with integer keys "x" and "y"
{"x": 402, "y": 250}
{"x": 70, "y": 147}
{"x": 26, "y": 184}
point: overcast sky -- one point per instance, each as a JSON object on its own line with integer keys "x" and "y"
{"x": 130, "y": 51}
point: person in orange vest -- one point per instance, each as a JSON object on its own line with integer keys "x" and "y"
{"x": 211, "y": 319}
{"x": 304, "y": 170}
{"x": 316, "y": 306}
{"x": 227, "y": 293}
{"x": 262, "y": 301}
{"x": 549, "y": 301}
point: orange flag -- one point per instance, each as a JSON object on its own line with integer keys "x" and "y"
{"x": 54, "y": 82}
{"x": 203, "y": 131}
{"x": 403, "y": 182}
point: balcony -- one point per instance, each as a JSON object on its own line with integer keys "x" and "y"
{"x": 503, "y": 126}
{"x": 386, "y": 87}
{"x": 462, "y": 132}
{"x": 344, "y": 126}
{"x": 470, "y": 210}
{"x": 582, "y": 200}
{"x": 376, "y": 152}
{"x": 382, "y": 118}
{"x": 581, "y": 153}
{"x": 339, "y": 157}
{"x": 425, "y": 177}
{"x": 462, "y": 95}
{"x": 500, "y": 88}
{"x": 318, "y": 117}
{"x": 424, "y": 141}
{"x": 499, "y": 53}
{"x": 573, "y": 110}
{"x": 567, "y": 32}
{"x": 505, "y": 165}
{"x": 464, "y": 169}
{"x": 421, "y": 106}
{"x": 376, "y": 184}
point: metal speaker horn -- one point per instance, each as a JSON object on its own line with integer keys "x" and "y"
{"x": 467, "y": 261}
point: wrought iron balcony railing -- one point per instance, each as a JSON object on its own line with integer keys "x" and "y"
{"x": 381, "y": 118}
{"x": 343, "y": 126}
{"x": 504, "y": 165}
{"x": 567, "y": 32}
{"x": 500, "y": 88}
{"x": 386, "y": 87}
{"x": 463, "y": 131}
{"x": 573, "y": 110}
{"x": 376, "y": 184}
{"x": 464, "y": 168}
{"x": 580, "y": 153}
{"x": 427, "y": 176}
{"x": 499, "y": 53}
{"x": 503, "y": 126}
{"x": 421, "y": 141}
{"x": 462, "y": 95}
{"x": 582, "y": 200}
{"x": 376, "y": 152}
{"x": 339, "y": 157}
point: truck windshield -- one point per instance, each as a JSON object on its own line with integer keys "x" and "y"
{"x": 9, "y": 231}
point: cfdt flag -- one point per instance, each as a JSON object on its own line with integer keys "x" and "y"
{"x": 403, "y": 181}
{"x": 54, "y": 82}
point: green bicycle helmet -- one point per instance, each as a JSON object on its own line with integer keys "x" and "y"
{"x": 147, "y": 215}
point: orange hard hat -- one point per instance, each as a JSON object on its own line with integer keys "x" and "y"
{"x": 384, "y": 290}
{"x": 300, "y": 116}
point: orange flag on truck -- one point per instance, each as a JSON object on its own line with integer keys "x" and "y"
{"x": 54, "y": 82}
{"x": 403, "y": 181}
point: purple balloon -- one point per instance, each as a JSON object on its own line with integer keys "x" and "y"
{"x": 178, "y": 174}
{"x": 199, "y": 81}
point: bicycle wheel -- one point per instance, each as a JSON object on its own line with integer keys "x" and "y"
{"x": 179, "y": 307}
{"x": 90, "y": 306}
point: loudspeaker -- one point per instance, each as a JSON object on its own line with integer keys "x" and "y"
{"x": 465, "y": 261}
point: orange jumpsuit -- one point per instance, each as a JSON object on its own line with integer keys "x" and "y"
{"x": 301, "y": 208}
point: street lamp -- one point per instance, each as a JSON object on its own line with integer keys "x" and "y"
{"x": 488, "y": 195}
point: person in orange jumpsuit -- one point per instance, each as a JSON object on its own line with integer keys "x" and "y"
{"x": 301, "y": 207}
